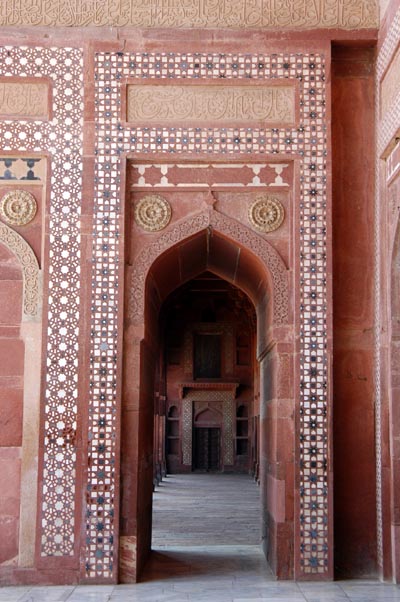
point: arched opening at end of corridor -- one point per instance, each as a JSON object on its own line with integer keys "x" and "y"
{"x": 207, "y": 389}
{"x": 207, "y": 416}
{"x": 208, "y": 403}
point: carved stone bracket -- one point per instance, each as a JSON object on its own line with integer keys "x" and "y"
{"x": 30, "y": 268}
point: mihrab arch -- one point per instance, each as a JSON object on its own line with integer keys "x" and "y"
{"x": 208, "y": 241}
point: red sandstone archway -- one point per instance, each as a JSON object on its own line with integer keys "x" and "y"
{"x": 208, "y": 241}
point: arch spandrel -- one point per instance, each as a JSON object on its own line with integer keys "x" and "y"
{"x": 30, "y": 269}
{"x": 261, "y": 249}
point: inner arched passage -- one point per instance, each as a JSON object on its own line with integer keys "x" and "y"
{"x": 207, "y": 410}
{"x": 213, "y": 252}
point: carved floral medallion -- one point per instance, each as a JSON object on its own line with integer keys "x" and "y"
{"x": 153, "y": 213}
{"x": 266, "y": 214}
{"x": 18, "y": 207}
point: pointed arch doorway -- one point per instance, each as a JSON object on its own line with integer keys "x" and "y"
{"x": 208, "y": 242}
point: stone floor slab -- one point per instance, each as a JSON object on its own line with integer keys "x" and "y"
{"x": 205, "y": 563}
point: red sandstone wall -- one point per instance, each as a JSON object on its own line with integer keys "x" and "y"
{"x": 11, "y": 403}
{"x": 353, "y": 264}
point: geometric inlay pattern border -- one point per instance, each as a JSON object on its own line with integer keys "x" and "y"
{"x": 60, "y": 137}
{"x": 307, "y": 142}
{"x": 388, "y": 125}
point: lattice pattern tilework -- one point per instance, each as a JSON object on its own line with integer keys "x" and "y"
{"x": 61, "y": 137}
{"x": 390, "y": 123}
{"x": 307, "y": 140}
{"x": 228, "y": 431}
{"x": 187, "y": 429}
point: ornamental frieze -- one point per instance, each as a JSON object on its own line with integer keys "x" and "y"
{"x": 202, "y": 104}
{"x": 242, "y": 14}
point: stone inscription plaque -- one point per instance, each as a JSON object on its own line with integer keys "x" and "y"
{"x": 200, "y": 105}
{"x": 24, "y": 99}
{"x": 243, "y": 14}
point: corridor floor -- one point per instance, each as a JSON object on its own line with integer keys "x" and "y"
{"x": 206, "y": 548}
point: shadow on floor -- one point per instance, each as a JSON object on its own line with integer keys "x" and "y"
{"x": 191, "y": 562}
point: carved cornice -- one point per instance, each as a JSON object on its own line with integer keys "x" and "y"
{"x": 240, "y": 14}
